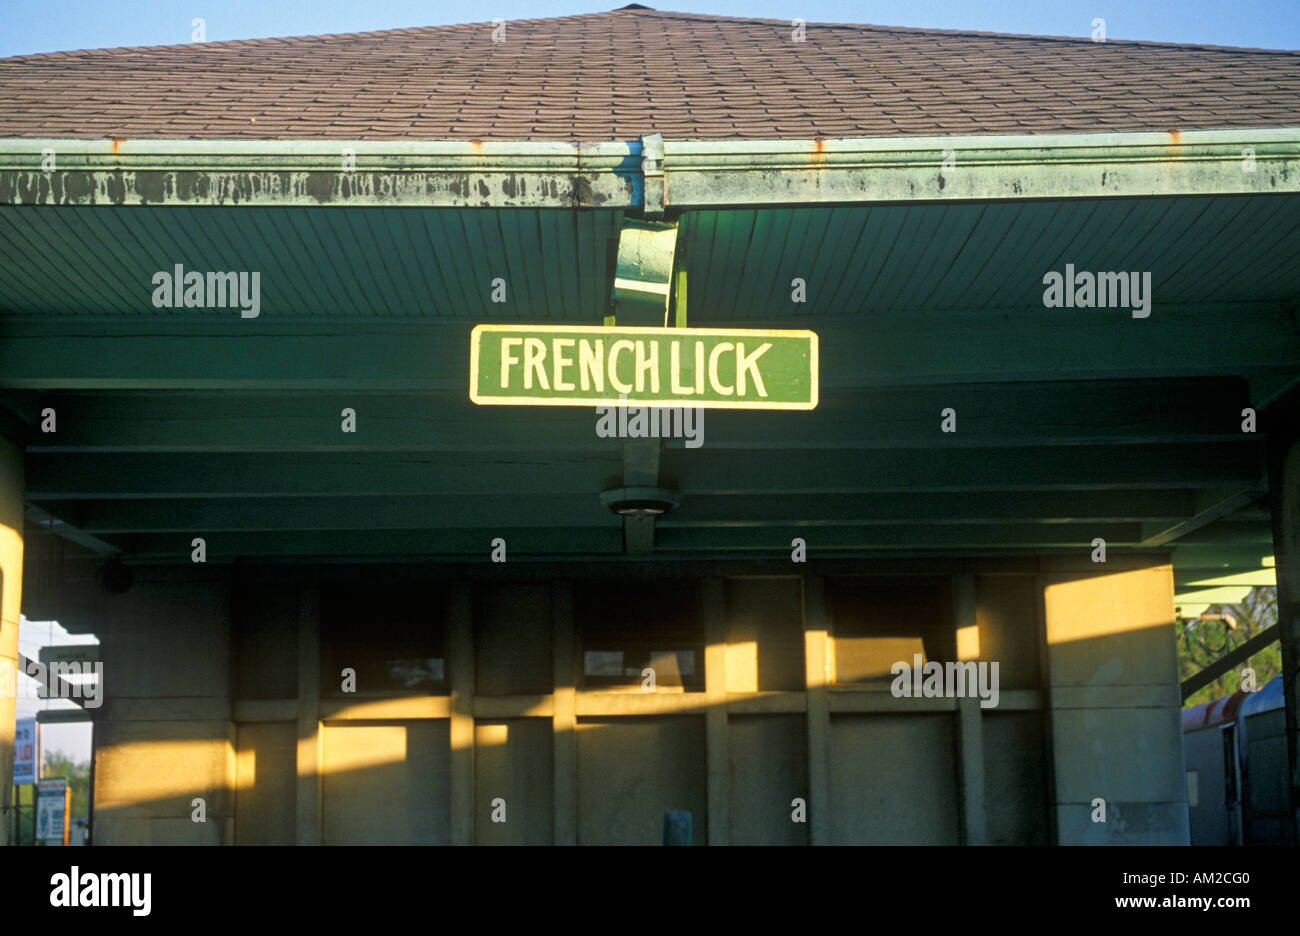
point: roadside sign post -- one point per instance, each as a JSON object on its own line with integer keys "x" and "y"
{"x": 53, "y": 806}
{"x": 85, "y": 654}
{"x": 25, "y": 751}
{"x": 25, "y": 760}
{"x": 63, "y": 660}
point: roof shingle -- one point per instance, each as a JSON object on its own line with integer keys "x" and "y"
{"x": 628, "y": 72}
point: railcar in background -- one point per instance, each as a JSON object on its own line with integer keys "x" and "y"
{"x": 1234, "y": 753}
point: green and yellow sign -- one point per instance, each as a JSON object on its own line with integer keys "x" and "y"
{"x": 577, "y": 365}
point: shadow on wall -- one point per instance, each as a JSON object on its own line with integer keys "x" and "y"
{"x": 1108, "y": 729}
{"x": 893, "y": 779}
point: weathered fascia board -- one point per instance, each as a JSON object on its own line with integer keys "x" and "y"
{"x": 892, "y": 169}
{"x": 462, "y": 174}
{"x": 613, "y": 174}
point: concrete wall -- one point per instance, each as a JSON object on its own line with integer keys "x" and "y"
{"x": 894, "y": 780}
{"x": 1015, "y": 756}
{"x": 386, "y": 783}
{"x": 764, "y": 635}
{"x": 631, "y": 771}
{"x": 763, "y": 786}
{"x": 266, "y": 778}
{"x": 512, "y": 782}
{"x": 164, "y": 734}
{"x": 1114, "y": 704}
{"x": 1015, "y": 779}
{"x": 512, "y": 640}
{"x": 212, "y": 690}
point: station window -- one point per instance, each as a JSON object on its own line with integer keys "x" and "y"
{"x": 765, "y": 649}
{"x": 512, "y": 639}
{"x": 625, "y": 631}
{"x": 393, "y": 637}
{"x": 264, "y": 638}
{"x": 876, "y": 622}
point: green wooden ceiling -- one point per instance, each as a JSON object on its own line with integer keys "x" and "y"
{"x": 314, "y": 262}
{"x": 856, "y": 260}
{"x": 1072, "y": 423}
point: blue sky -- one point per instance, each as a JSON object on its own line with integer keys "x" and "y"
{"x": 55, "y": 25}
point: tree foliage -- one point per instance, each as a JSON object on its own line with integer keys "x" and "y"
{"x": 58, "y": 764}
{"x": 1202, "y": 642}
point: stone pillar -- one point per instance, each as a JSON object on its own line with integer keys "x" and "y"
{"x": 11, "y": 585}
{"x": 564, "y": 720}
{"x": 460, "y": 673}
{"x": 308, "y": 818}
{"x": 816, "y": 635}
{"x": 970, "y": 721}
{"x": 715, "y": 719}
{"x": 1114, "y": 702}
